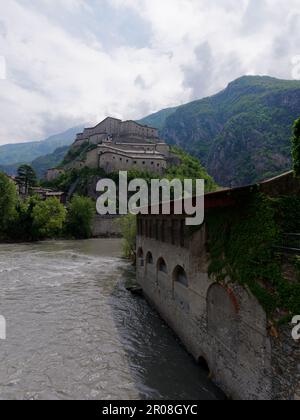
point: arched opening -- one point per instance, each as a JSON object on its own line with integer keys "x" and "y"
{"x": 222, "y": 316}
{"x": 149, "y": 258}
{"x": 202, "y": 363}
{"x": 180, "y": 276}
{"x": 162, "y": 266}
{"x": 140, "y": 257}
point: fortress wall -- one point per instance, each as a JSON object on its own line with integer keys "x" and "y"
{"x": 112, "y": 162}
{"x": 92, "y": 159}
{"x": 106, "y": 227}
{"x": 223, "y": 325}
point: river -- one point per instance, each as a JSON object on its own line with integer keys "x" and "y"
{"x": 75, "y": 332}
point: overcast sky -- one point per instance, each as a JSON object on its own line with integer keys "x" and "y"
{"x": 73, "y": 61}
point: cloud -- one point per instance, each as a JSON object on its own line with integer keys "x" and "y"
{"x": 76, "y": 61}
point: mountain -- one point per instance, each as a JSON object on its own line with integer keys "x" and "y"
{"x": 26, "y": 152}
{"x": 241, "y": 135}
{"x": 42, "y": 163}
{"x": 158, "y": 119}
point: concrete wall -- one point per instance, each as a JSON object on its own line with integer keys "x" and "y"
{"x": 223, "y": 324}
{"x": 106, "y": 227}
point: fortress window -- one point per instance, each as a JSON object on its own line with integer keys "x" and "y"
{"x": 152, "y": 163}
{"x": 162, "y": 266}
{"x": 180, "y": 276}
{"x": 144, "y": 163}
{"x": 135, "y": 162}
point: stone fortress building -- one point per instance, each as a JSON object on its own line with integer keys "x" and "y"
{"x": 113, "y": 146}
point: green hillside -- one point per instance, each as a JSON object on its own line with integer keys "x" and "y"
{"x": 242, "y": 134}
{"x": 27, "y": 152}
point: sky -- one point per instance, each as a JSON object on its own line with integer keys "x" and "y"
{"x": 68, "y": 62}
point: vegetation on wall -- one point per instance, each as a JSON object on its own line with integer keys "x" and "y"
{"x": 241, "y": 244}
{"x": 296, "y": 148}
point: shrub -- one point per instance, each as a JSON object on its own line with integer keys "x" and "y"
{"x": 80, "y": 217}
{"x": 48, "y": 218}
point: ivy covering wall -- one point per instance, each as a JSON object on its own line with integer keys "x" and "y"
{"x": 242, "y": 245}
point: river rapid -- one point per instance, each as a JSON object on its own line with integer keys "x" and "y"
{"x": 75, "y": 332}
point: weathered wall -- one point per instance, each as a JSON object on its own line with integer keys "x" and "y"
{"x": 225, "y": 325}
{"x": 118, "y": 161}
{"x": 106, "y": 227}
{"x": 92, "y": 159}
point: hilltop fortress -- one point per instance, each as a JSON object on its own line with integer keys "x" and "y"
{"x": 114, "y": 145}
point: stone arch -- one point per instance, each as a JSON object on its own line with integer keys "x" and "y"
{"x": 180, "y": 276}
{"x": 140, "y": 257}
{"x": 222, "y": 315}
{"x": 149, "y": 258}
{"x": 162, "y": 266}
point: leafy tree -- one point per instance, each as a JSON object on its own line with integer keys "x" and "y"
{"x": 26, "y": 178}
{"x": 296, "y": 148}
{"x": 80, "y": 216}
{"x": 48, "y": 218}
{"x": 8, "y": 200}
{"x": 128, "y": 228}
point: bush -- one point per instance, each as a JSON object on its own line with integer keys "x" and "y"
{"x": 48, "y": 218}
{"x": 80, "y": 217}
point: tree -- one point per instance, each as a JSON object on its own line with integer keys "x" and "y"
{"x": 128, "y": 228}
{"x": 296, "y": 148}
{"x": 26, "y": 178}
{"x": 8, "y": 201}
{"x": 48, "y": 218}
{"x": 80, "y": 217}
